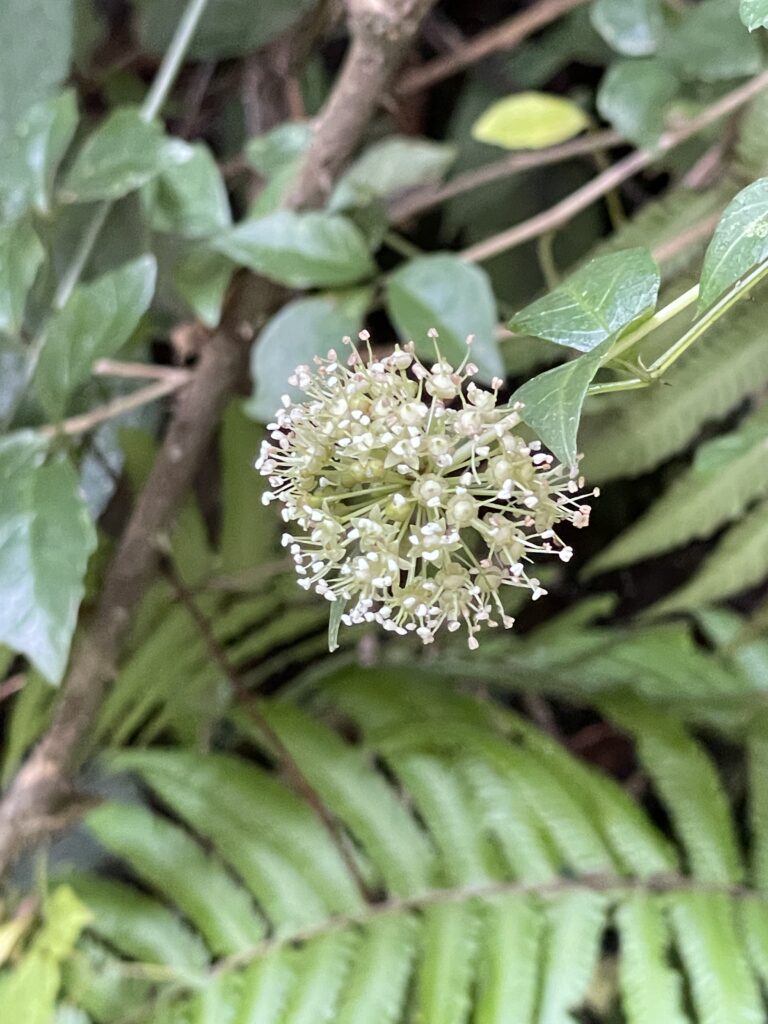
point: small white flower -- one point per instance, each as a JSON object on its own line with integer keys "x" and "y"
{"x": 409, "y": 495}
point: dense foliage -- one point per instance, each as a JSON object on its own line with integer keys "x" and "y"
{"x": 226, "y": 800}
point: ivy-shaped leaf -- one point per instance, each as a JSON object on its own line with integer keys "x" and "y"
{"x": 600, "y": 299}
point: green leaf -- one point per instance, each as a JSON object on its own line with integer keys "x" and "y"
{"x": 727, "y": 474}
{"x": 188, "y": 197}
{"x": 455, "y": 298}
{"x": 31, "y": 155}
{"x": 651, "y": 989}
{"x": 303, "y": 329}
{"x": 202, "y": 277}
{"x": 754, "y": 14}
{"x": 301, "y": 250}
{"x": 633, "y": 97}
{"x": 529, "y": 120}
{"x": 96, "y": 322}
{"x": 600, "y": 299}
{"x": 552, "y": 402}
{"x": 122, "y": 154}
{"x": 276, "y": 149}
{"x": 632, "y": 27}
{"x": 738, "y": 562}
{"x": 228, "y": 28}
{"x": 739, "y": 243}
{"x": 46, "y": 537}
{"x": 20, "y": 257}
{"x": 709, "y": 44}
{"x": 36, "y": 54}
{"x": 395, "y": 164}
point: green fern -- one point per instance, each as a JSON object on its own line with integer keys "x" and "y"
{"x": 490, "y": 865}
{"x": 728, "y": 473}
{"x": 738, "y": 562}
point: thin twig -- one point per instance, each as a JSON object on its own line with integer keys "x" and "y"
{"x": 579, "y": 200}
{"x": 505, "y": 36}
{"x": 76, "y": 425}
{"x": 148, "y": 371}
{"x": 12, "y": 685}
{"x": 252, "y": 708}
{"x": 425, "y": 198}
{"x": 671, "y": 247}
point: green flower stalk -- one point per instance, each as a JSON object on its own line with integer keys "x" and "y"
{"x": 409, "y": 494}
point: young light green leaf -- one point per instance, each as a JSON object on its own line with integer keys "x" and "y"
{"x": 46, "y": 537}
{"x": 392, "y": 165}
{"x": 754, "y": 14}
{"x": 455, "y": 298}
{"x": 552, "y": 402}
{"x": 600, "y": 299}
{"x": 529, "y": 120}
{"x": 301, "y": 250}
{"x": 710, "y": 45}
{"x": 739, "y": 243}
{"x": 201, "y": 277}
{"x": 20, "y": 257}
{"x": 122, "y": 154}
{"x": 35, "y": 58}
{"x": 632, "y": 27}
{"x": 727, "y": 474}
{"x": 303, "y": 329}
{"x": 188, "y": 197}
{"x": 228, "y": 28}
{"x": 275, "y": 149}
{"x": 96, "y": 322}
{"x": 31, "y": 155}
{"x": 633, "y": 97}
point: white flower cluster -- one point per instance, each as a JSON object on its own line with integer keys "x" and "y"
{"x": 411, "y": 496}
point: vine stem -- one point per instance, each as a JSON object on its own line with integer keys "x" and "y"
{"x": 659, "y": 367}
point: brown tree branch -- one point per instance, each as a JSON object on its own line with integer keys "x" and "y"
{"x": 566, "y": 209}
{"x": 381, "y": 35}
{"x": 505, "y": 36}
{"x": 422, "y": 199}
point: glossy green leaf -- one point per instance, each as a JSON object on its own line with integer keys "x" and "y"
{"x": 600, "y": 299}
{"x": 709, "y": 44}
{"x": 529, "y": 120}
{"x": 754, "y": 13}
{"x": 739, "y": 243}
{"x": 96, "y": 322}
{"x": 202, "y": 277}
{"x": 552, "y": 402}
{"x": 122, "y": 154}
{"x": 633, "y": 97}
{"x": 632, "y": 27}
{"x": 46, "y": 537}
{"x": 393, "y": 165}
{"x": 38, "y": 45}
{"x": 302, "y": 250}
{"x": 31, "y": 154}
{"x": 228, "y": 28}
{"x": 188, "y": 197}
{"x": 20, "y": 257}
{"x": 303, "y": 329}
{"x": 456, "y": 299}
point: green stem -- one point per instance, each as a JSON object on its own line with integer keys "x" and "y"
{"x": 661, "y": 317}
{"x": 402, "y": 245}
{"x": 659, "y": 367}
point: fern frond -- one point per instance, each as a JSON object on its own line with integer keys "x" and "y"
{"x": 645, "y": 428}
{"x": 651, "y": 989}
{"x": 738, "y": 562}
{"x": 511, "y": 937}
{"x": 575, "y": 923}
{"x": 726, "y": 475}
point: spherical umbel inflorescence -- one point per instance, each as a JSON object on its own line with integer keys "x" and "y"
{"x": 409, "y": 494}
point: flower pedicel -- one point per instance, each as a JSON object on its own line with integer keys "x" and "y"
{"x": 409, "y": 494}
